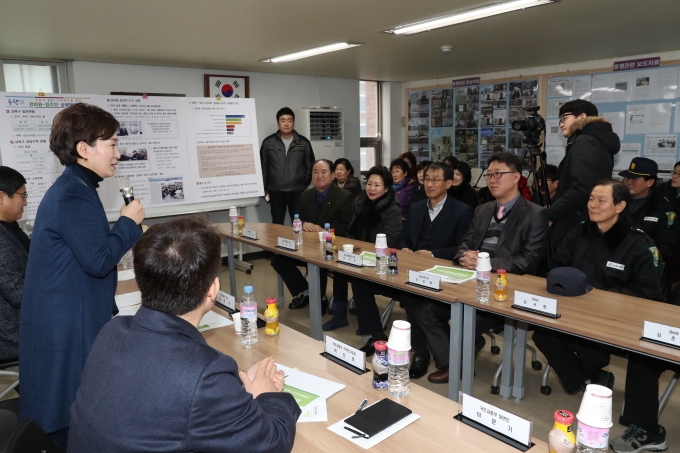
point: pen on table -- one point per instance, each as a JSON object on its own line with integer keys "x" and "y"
{"x": 363, "y": 404}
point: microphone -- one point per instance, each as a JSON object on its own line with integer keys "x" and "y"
{"x": 126, "y": 189}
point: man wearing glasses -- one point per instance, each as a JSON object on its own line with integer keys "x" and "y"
{"x": 589, "y": 157}
{"x": 512, "y": 230}
{"x": 14, "y": 245}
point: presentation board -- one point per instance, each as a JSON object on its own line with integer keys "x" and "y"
{"x": 182, "y": 155}
{"x": 640, "y": 104}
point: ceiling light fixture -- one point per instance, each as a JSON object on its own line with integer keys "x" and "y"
{"x": 312, "y": 52}
{"x": 460, "y": 17}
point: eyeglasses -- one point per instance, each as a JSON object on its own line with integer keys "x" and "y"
{"x": 433, "y": 181}
{"x": 564, "y": 117}
{"x": 24, "y": 195}
{"x": 498, "y": 174}
{"x": 675, "y": 173}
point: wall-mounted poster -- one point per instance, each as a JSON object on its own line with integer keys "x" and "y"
{"x": 419, "y": 124}
{"x": 226, "y": 86}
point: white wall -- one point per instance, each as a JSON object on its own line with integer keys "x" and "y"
{"x": 392, "y": 130}
{"x": 270, "y": 91}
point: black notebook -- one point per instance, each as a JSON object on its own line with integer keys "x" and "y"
{"x": 377, "y": 417}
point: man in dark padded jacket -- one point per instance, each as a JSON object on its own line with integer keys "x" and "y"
{"x": 589, "y": 157}
{"x": 615, "y": 257}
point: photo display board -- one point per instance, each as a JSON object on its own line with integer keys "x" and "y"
{"x": 640, "y": 104}
{"x": 181, "y": 153}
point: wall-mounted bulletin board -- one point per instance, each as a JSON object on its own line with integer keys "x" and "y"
{"x": 639, "y": 99}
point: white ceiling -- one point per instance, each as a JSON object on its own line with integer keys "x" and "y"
{"x": 234, "y": 35}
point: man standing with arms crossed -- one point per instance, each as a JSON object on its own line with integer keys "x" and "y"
{"x": 287, "y": 159}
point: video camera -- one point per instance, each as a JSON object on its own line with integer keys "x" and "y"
{"x": 532, "y": 127}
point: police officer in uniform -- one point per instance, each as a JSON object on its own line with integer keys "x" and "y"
{"x": 649, "y": 210}
{"x": 615, "y": 257}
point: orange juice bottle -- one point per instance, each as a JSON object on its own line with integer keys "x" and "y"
{"x": 501, "y": 285}
{"x": 271, "y": 315}
{"x": 241, "y": 224}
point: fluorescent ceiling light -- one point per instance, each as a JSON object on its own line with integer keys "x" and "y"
{"x": 311, "y": 52}
{"x": 466, "y": 16}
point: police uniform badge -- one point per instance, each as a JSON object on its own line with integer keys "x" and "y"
{"x": 655, "y": 255}
{"x": 671, "y": 218}
{"x": 632, "y": 166}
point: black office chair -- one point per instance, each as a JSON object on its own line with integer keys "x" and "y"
{"x": 10, "y": 363}
{"x": 29, "y": 437}
{"x": 9, "y": 420}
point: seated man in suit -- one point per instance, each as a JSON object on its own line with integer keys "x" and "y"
{"x": 512, "y": 230}
{"x": 151, "y": 382}
{"x": 324, "y": 203}
{"x": 14, "y": 245}
{"x": 434, "y": 228}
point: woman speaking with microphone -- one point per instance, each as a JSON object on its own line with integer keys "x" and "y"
{"x": 71, "y": 274}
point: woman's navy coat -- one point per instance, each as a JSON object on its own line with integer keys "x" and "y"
{"x": 68, "y": 293}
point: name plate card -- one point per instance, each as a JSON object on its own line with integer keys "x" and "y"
{"x": 424, "y": 280}
{"x": 537, "y": 304}
{"x": 345, "y": 355}
{"x": 351, "y": 259}
{"x": 287, "y": 244}
{"x": 227, "y": 301}
{"x": 661, "y": 334}
{"x": 496, "y": 422}
{"x": 250, "y": 234}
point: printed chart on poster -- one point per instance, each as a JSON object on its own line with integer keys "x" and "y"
{"x": 181, "y": 154}
{"x": 639, "y": 103}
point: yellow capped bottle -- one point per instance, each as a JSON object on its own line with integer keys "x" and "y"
{"x": 241, "y": 224}
{"x": 501, "y": 293}
{"x": 271, "y": 315}
{"x": 561, "y": 438}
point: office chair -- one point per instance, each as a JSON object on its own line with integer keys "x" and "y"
{"x": 535, "y": 363}
{"x": 10, "y": 363}
{"x": 9, "y": 420}
{"x": 29, "y": 437}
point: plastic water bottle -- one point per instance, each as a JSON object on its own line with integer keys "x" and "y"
{"x": 233, "y": 219}
{"x": 297, "y": 229}
{"x": 483, "y": 277}
{"x": 248, "y": 317}
{"x": 591, "y": 440}
{"x": 381, "y": 254}
{"x": 398, "y": 381}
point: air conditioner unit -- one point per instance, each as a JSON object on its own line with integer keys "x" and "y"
{"x": 324, "y": 128}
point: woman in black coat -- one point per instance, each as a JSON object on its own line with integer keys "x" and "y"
{"x": 375, "y": 211}
{"x": 461, "y": 189}
{"x": 344, "y": 176}
{"x": 419, "y": 192}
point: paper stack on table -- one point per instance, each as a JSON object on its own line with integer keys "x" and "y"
{"x": 129, "y": 303}
{"x": 452, "y": 274}
{"x": 368, "y": 258}
{"x": 310, "y": 392}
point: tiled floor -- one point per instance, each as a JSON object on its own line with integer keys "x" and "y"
{"x": 535, "y": 406}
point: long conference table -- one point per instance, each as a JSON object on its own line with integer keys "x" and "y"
{"x": 436, "y": 429}
{"x": 604, "y": 317}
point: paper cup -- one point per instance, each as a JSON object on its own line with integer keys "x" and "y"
{"x": 400, "y": 336}
{"x": 321, "y": 238}
{"x": 236, "y": 317}
{"x": 380, "y": 241}
{"x": 596, "y": 407}
{"x": 483, "y": 262}
{"x": 348, "y": 248}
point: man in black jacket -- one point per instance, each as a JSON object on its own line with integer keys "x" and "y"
{"x": 649, "y": 210}
{"x": 14, "y": 245}
{"x": 324, "y": 203}
{"x": 515, "y": 234}
{"x": 287, "y": 160}
{"x": 589, "y": 157}
{"x": 615, "y": 257}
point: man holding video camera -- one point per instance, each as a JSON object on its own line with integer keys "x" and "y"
{"x": 589, "y": 157}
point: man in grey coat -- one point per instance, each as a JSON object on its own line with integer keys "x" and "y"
{"x": 287, "y": 159}
{"x": 14, "y": 245}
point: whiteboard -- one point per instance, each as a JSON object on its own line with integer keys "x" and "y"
{"x": 182, "y": 155}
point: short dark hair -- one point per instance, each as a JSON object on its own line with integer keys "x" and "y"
{"x": 384, "y": 173}
{"x": 399, "y": 163}
{"x": 619, "y": 190}
{"x": 175, "y": 264}
{"x": 10, "y": 181}
{"x": 577, "y": 107}
{"x": 450, "y": 160}
{"x": 80, "y": 123}
{"x": 509, "y": 159}
{"x": 410, "y": 156}
{"x": 330, "y": 163}
{"x": 552, "y": 172}
{"x": 464, "y": 170}
{"x": 446, "y": 169}
{"x": 344, "y": 162}
{"x": 284, "y": 111}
